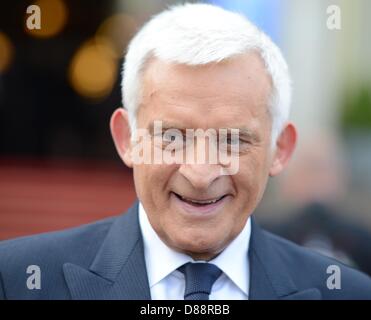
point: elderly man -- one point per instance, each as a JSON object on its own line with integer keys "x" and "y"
{"x": 196, "y": 79}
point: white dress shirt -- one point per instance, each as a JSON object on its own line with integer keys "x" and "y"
{"x": 167, "y": 283}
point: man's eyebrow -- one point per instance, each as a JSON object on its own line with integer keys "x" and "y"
{"x": 165, "y": 126}
{"x": 244, "y": 132}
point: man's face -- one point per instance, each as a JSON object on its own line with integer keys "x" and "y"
{"x": 231, "y": 94}
{"x": 196, "y": 208}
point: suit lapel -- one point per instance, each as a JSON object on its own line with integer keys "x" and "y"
{"x": 118, "y": 270}
{"x": 270, "y": 278}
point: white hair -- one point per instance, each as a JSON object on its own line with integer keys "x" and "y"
{"x": 198, "y": 34}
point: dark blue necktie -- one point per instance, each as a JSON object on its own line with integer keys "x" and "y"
{"x": 199, "y": 279}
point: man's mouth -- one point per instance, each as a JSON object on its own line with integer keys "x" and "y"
{"x": 200, "y": 207}
{"x": 199, "y": 202}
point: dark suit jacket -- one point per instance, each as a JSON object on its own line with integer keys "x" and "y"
{"x": 105, "y": 260}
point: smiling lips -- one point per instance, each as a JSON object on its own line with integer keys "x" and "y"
{"x": 199, "y": 202}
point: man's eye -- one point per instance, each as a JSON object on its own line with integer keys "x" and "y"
{"x": 233, "y": 141}
{"x": 169, "y": 137}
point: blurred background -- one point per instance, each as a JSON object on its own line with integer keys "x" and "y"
{"x": 60, "y": 84}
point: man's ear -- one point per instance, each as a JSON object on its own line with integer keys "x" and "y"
{"x": 120, "y": 131}
{"x": 284, "y": 149}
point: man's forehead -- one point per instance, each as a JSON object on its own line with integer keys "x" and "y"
{"x": 183, "y": 113}
{"x": 229, "y": 83}
{"x": 216, "y": 105}
{"x": 190, "y": 102}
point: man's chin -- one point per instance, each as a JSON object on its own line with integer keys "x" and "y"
{"x": 202, "y": 249}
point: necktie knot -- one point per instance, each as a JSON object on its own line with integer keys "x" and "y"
{"x": 199, "y": 279}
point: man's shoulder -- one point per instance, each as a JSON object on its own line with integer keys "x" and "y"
{"x": 71, "y": 243}
{"x": 48, "y": 252}
{"x": 308, "y": 268}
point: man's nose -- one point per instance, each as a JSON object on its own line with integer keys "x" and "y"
{"x": 201, "y": 176}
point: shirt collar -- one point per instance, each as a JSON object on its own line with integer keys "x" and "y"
{"x": 233, "y": 260}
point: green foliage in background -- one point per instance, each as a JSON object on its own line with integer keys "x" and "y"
{"x": 356, "y": 110}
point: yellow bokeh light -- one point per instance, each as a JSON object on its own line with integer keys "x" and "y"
{"x": 93, "y": 71}
{"x": 6, "y": 52}
{"x": 94, "y": 67}
{"x": 54, "y": 15}
{"x": 117, "y": 29}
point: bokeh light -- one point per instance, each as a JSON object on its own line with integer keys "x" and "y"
{"x": 117, "y": 29}
{"x": 93, "y": 71}
{"x": 54, "y": 14}
{"x": 6, "y": 52}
